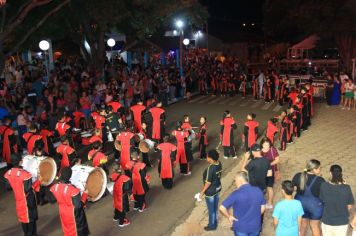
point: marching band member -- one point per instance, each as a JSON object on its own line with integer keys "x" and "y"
{"x": 98, "y": 157}
{"x": 250, "y": 131}
{"x": 203, "y": 138}
{"x": 71, "y": 205}
{"x": 47, "y": 136}
{"x": 140, "y": 182}
{"x": 227, "y": 125}
{"x": 186, "y": 126}
{"x": 97, "y": 137}
{"x": 181, "y": 137}
{"x": 9, "y": 145}
{"x": 158, "y": 121}
{"x": 79, "y": 117}
{"x": 115, "y": 105}
{"x": 66, "y": 152}
{"x": 62, "y": 127}
{"x": 125, "y": 138}
{"x": 20, "y": 181}
{"x": 32, "y": 138}
{"x": 136, "y": 111}
{"x": 283, "y": 131}
{"x": 121, "y": 190}
{"x": 166, "y": 162}
{"x": 305, "y": 100}
{"x": 272, "y": 129}
{"x": 145, "y": 157}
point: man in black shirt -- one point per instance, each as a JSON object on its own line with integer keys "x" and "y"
{"x": 212, "y": 188}
{"x": 257, "y": 167}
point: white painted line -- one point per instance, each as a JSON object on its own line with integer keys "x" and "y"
{"x": 216, "y": 100}
{"x": 206, "y": 100}
{"x": 226, "y": 101}
{"x": 267, "y": 106}
{"x": 256, "y": 104}
{"x": 197, "y": 99}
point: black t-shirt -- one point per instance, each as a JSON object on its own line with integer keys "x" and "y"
{"x": 212, "y": 175}
{"x": 257, "y": 172}
{"x": 112, "y": 121}
{"x": 315, "y": 189}
{"x": 336, "y": 197}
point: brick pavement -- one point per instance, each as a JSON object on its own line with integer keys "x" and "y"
{"x": 331, "y": 139}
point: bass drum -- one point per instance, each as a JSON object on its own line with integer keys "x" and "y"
{"x": 90, "y": 178}
{"x": 146, "y": 145}
{"x": 45, "y": 167}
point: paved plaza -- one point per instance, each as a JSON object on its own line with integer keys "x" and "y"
{"x": 331, "y": 139}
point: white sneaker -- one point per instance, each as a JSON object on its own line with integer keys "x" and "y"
{"x": 225, "y": 157}
{"x": 189, "y": 173}
{"x": 235, "y": 157}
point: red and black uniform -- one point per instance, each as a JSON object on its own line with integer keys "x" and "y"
{"x": 121, "y": 191}
{"x": 203, "y": 141}
{"x": 291, "y": 126}
{"x": 71, "y": 209}
{"x": 158, "y": 120}
{"x": 139, "y": 184}
{"x": 255, "y": 88}
{"x": 67, "y": 154}
{"x": 62, "y": 128}
{"x": 126, "y": 140}
{"x": 213, "y": 84}
{"x": 47, "y": 141}
{"x": 250, "y": 133}
{"x": 26, "y": 208}
{"x": 283, "y": 93}
{"x": 223, "y": 85}
{"x": 268, "y": 91}
{"x": 298, "y": 119}
{"x": 306, "y": 111}
{"x": 272, "y": 129}
{"x": 181, "y": 157}
{"x": 95, "y": 138}
{"x": 115, "y": 106}
{"x": 137, "y": 116}
{"x": 243, "y": 87}
{"x": 166, "y": 163}
{"x": 186, "y": 126}
{"x": 9, "y": 145}
{"x": 284, "y": 133}
{"x": 31, "y": 139}
{"x": 145, "y": 158}
{"x": 227, "y": 125}
{"x": 98, "y": 158}
{"x": 99, "y": 120}
{"x": 201, "y": 85}
{"x": 293, "y": 98}
{"x": 78, "y": 118}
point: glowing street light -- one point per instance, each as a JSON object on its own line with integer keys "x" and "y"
{"x": 44, "y": 45}
{"x": 186, "y": 41}
{"x": 111, "y": 42}
{"x": 179, "y": 24}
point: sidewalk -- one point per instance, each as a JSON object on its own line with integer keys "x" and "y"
{"x": 331, "y": 139}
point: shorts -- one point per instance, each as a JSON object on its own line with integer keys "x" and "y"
{"x": 349, "y": 95}
{"x": 270, "y": 181}
{"x": 312, "y": 206}
{"x": 330, "y": 230}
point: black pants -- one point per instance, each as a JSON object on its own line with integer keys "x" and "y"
{"x": 139, "y": 201}
{"x": 184, "y": 168}
{"x": 167, "y": 183}
{"x": 202, "y": 150}
{"x": 146, "y": 160}
{"x": 119, "y": 215}
{"x": 229, "y": 151}
{"x": 29, "y": 229}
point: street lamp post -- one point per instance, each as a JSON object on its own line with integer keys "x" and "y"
{"x": 111, "y": 43}
{"x": 180, "y": 24}
{"x": 44, "y": 46}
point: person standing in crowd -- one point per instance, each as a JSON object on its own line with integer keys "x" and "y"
{"x": 257, "y": 167}
{"x": 166, "y": 162}
{"x": 272, "y": 129}
{"x": 96, "y": 154}
{"x": 212, "y": 187}
{"x": 125, "y": 139}
{"x": 32, "y": 138}
{"x": 9, "y": 145}
{"x": 250, "y": 131}
{"x": 248, "y": 205}
{"x": 349, "y": 88}
{"x": 287, "y": 215}
{"x": 158, "y": 122}
{"x": 66, "y": 153}
{"x": 202, "y": 136}
{"x": 338, "y": 200}
{"x": 261, "y": 80}
{"x": 121, "y": 190}
{"x": 71, "y": 205}
{"x": 228, "y": 125}
{"x": 308, "y": 184}
{"x": 271, "y": 154}
{"x": 20, "y": 181}
{"x": 140, "y": 183}
{"x": 137, "y": 111}
{"x": 181, "y": 157}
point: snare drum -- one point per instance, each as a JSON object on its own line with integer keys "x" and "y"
{"x": 90, "y": 178}
{"x": 46, "y": 167}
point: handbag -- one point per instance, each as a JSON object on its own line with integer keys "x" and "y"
{"x": 277, "y": 173}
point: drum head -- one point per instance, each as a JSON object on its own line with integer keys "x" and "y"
{"x": 48, "y": 170}
{"x": 96, "y": 184}
{"x": 144, "y": 147}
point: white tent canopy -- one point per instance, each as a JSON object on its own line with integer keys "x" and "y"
{"x": 300, "y": 50}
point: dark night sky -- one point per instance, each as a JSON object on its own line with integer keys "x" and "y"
{"x": 227, "y": 17}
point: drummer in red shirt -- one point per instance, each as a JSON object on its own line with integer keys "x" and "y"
{"x": 98, "y": 157}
